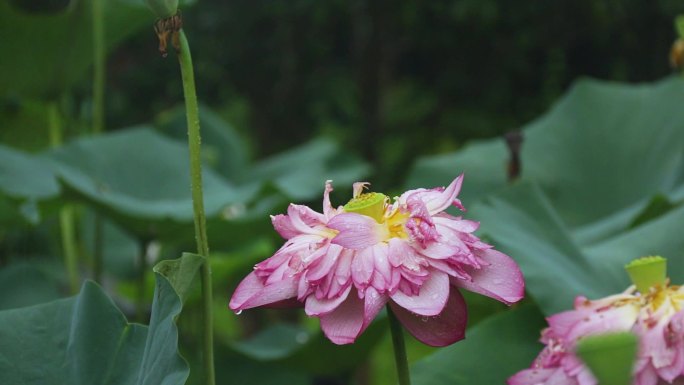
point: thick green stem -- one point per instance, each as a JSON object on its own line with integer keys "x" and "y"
{"x": 141, "y": 301}
{"x": 98, "y": 66}
{"x": 399, "y": 348}
{"x": 68, "y": 231}
{"x": 98, "y": 247}
{"x": 194, "y": 143}
{"x": 66, "y": 213}
{"x": 99, "y": 71}
{"x": 54, "y": 125}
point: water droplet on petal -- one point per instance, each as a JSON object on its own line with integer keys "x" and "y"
{"x": 424, "y": 319}
{"x": 238, "y": 312}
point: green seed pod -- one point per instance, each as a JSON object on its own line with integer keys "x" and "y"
{"x": 647, "y": 272}
{"x": 610, "y": 357}
{"x": 163, "y": 8}
{"x": 370, "y": 204}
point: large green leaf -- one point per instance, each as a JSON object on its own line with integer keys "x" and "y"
{"x": 482, "y": 162}
{"x": 24, "y": 181}
{"x": 592, "y": 168}
{"x": 522, "y": 223}
{"x": 87, "y": 340}
{"x": 23, "y": 176}
{"x": 660, "y": 236}
{"x": 142, "y": 178}
{"x": 493, "y": 351}
{"x": 24, "y": 284}
{"x": 120, "y": 251}
{"x": 604, "y": 147}
{"x": 44, "y": 53}
{"x": 301, "y": 172}
{"x": 607, "y": 146}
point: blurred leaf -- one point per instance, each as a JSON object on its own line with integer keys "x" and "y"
{"x": 45, "y": 53}
{"x": 120, "y": 251}
{"x": 590, "y": 166}
{"x": 657, "y": 206}
{"x": 24, "y": 284}
{"x": 660, "y": 236}
{"x": 613, "y": 145}
{"x": 228, "y": 266}
{"x": 222, "y": 147}
{"x": 482, "y": 162}
{"x": 24, "y": 176}
{"x": 300, "y": 173}
{"x": 492, "y": 351}
{"x": 276, "y": 342}
{"x": 522, "y": 223}
{"x": 296, "y": 348}
{"x": 142, "y": 179}
{"x": 86, "y": 340}
{"x": 24, "y": 180}
{"x": 602, "y": 148}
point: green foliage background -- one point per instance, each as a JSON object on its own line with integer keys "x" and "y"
{"x": 403, "y": 94}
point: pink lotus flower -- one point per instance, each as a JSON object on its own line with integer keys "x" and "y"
{"x": 656, "y": 318}
{"x": 345, "y": 264}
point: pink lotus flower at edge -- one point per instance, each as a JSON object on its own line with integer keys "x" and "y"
{"x": 344, "y": 265}
{"x": 656, "y": 317}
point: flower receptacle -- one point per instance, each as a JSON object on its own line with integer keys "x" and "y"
{"x": 647, "y": 272}
{"x": 369, "y": 204}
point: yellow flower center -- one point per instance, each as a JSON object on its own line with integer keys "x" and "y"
{"x": 657, "y": 296}
{"x": 375, "y": 205}
{"x": 660, "y": 295}
{"x": 369, "y": 204}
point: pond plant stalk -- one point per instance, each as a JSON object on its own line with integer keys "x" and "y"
{"x": 194, "y": 143}
{"x": 99, "y": 70}
{"x": 67, "y": 226}
{"x": 399, "y": 348}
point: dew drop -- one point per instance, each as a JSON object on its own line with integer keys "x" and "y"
{"x": 424, "y": 319}
{"x": 238, "y": 312}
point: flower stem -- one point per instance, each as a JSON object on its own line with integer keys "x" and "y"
{"x": 399, "y": 348}
{"x": 68, "y": 232}
{"x": 66, "y": 213}
{"x": 140, "y": 303}
{"x": 98, "y": 67}
{"x": 194, "y": 143}
{"x": 98, "y": 116}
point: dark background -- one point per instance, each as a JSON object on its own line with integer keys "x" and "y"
{"x": 392, "y": 80}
